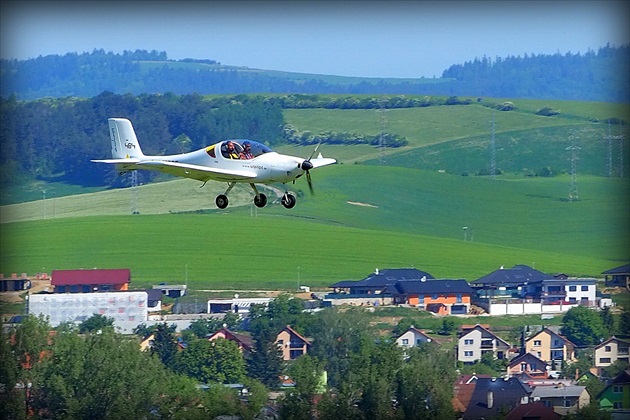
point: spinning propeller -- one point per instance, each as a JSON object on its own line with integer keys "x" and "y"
{"x": 307, "y": 166}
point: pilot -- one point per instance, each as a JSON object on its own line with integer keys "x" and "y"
{"x": 232, "y": 153}
{"x": 247, "y": 151}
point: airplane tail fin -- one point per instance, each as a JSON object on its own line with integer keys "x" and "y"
{"x": 124, "y": 141}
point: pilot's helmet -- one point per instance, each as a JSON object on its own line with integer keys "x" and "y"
{"x": 246, "y": 144}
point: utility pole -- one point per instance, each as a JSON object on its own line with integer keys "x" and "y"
{"x": 573, "y": 189}
{"x": 383, "y": 124}
{"x": 134, "y": 192}
{"x": 493, "y": 152}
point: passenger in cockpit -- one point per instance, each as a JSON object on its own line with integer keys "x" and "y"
{"x": 247, "y": 151}
{"x": 231, "y": 151}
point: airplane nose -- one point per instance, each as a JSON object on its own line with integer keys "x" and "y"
{"x": 306, "y": 165}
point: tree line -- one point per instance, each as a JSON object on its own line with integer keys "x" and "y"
{"x": 598, "y": 76}
{"x": 351, "y": 371}
{"x": 593, "y": 76}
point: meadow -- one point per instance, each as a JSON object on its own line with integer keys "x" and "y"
{"x": 418, "y": 206}
{"x": 361, "y": 218}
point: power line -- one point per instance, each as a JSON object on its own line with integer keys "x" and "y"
{"x": 493, "y": 152}
{"x": 383, "y": 125}
{"x": 573, "y": 189}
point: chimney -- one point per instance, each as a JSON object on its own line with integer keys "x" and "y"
{"x": 490, "y": 399}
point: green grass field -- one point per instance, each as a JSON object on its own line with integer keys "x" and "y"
{"x": 362, "y": 217}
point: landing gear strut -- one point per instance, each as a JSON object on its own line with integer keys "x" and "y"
{"x": 222, "y": 200}
{"x": 260, "y": 199}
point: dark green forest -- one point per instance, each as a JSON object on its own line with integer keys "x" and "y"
{"x": 593, "y": 76}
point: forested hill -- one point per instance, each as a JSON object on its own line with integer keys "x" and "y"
{"x": 594, "y": 76}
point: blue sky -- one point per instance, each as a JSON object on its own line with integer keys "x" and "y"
{"x": 349, "y": 38}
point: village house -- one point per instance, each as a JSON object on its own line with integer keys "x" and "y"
{"x": 14, "y": 283}
{"x": 443, "y": 297}
{"x": 413, "y": 337}
{"x": 532, "y": 411}
{"x": 524, "y": 290}
{"x": 377, "y": 282}
{"x": 557, "y": 291}
{"x": 474, "y": 341}
{"x": 494, "y": 396}
{"x": 551, "y": 347}
{"x": 291, "y": 343}
{"x": 520, "y": 281}
{"x": 530, "y": 365}
{"x": 618, "y": 276}
{"x": 564, "y": 399}
{"x": 616, "y": 396}
{"x": 244, "y": 341}
{"x": 608, "y": 352}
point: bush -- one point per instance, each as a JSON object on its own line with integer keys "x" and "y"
{"x": 505, "y": 106}
{"x": 547, "y": 112}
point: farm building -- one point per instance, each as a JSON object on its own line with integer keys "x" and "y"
{"x": 88, "y": 281}
{"x": 127, "y": 308}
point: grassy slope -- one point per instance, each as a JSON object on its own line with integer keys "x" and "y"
{"x": 512, "y": 222}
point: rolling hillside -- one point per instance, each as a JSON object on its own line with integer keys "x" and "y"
{"x": 361, "y": 217}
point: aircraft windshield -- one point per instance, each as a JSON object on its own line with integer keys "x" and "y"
{"x": 243, "y": 149}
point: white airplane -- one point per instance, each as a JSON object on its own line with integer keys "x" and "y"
{"x": 231, "y": 161}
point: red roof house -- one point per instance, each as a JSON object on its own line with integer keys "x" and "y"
{"x": 87, "y": 281}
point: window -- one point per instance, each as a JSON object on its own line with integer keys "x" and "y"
{"x": 537, "y": 343}
{"x": 584, "y": 288}
{"x": 468, "y": 354}
{"x": 468, "y": 342}
{"x": 572, "y": 288}
{"x": 604, "y": 360}
{"x": 459, "y": 298}
{"x": 405, "y": 341}
{"x": 617, "y": 405}
{"x": 617, "y": 389}
{"x": 607, "y": 349}
{"x": 434, "y": 296}
{"x": 567, "y": 403}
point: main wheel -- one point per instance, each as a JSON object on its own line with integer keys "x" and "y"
{"x": 260, "y": 200}
{"x": 288, "y": 201}
{"x": 222, "y": 201}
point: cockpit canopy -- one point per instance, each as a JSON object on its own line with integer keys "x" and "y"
{"x": 239, "y": 149}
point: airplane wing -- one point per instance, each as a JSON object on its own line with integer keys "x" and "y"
{"x": 322, "y": 161}
{"x": 200, "y": 173}
{"x": 117, "y": 161}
